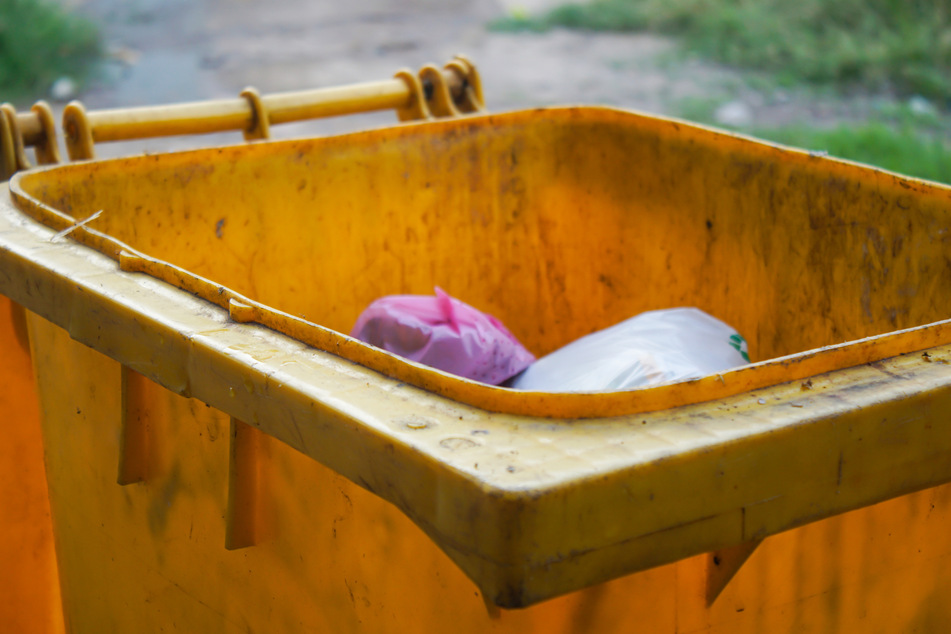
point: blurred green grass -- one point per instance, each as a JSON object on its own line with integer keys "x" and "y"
{"x": 40, "y": 41}
{"x": 898, "y": 45}
{"x": 890, "y": 47}
{"x": 897, "y": 139}
{"x": 904, "y": 149}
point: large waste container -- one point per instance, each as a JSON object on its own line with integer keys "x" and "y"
{"x": 221, "y": 458}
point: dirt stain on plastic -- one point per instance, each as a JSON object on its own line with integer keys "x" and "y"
{"x": 417, "y": 423}
{"x": 162, "y": 502}
{"x": 457, "y": 443}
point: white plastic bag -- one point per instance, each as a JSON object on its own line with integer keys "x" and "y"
{"x": 653, "y": 347}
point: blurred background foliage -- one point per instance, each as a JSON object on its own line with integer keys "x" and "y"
{"x": 898, "y": 48}
{"x": 41, "y": 42}
{"x": 901, "y": 45}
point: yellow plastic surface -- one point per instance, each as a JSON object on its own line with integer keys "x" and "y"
{"x": 559, "y": 222}
{"x": 29, "y": 587}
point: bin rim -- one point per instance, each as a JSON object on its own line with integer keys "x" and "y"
{"x": 560, "y": 405}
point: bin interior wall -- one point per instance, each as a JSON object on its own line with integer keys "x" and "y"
{"x": 559, "y": 225}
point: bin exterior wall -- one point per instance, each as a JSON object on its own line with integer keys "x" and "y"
{"x": 29, "y": 584}
{"x": 151, "y": 555}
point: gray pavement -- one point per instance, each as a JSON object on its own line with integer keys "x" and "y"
{"x": 168, "y": 51}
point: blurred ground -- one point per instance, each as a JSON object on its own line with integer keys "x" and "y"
{"x": 166, "y": 51}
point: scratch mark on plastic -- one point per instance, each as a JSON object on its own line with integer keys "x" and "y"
{"x": 838, "y": 478}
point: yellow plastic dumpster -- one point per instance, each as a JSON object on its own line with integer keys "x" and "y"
{"x": 221, "y": 458}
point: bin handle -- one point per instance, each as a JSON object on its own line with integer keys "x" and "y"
{"x": 253, "y": 114}
{"x": 452, "y": 91}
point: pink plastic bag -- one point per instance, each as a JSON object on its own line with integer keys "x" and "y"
{"x": 444, "y": 333}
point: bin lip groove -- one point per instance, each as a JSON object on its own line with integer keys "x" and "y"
{"x": 557, "y": 405}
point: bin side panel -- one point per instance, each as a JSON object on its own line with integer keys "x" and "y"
{"x": 334, "y": 557}
{"x": 338, "y": 558}
{"x": 29, "y": 583}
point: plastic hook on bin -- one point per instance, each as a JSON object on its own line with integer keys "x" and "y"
{"x": 438, "y": 94}
{"x": 416, "y": 109}
{"x": 18, "y": 131}
{"x": 260, "y": 127}
{"x": 78, "y": 132}
{"x": 7, "y": 156}
{"x": 47, "y": 150}
{"x": 471, "y": 99}
{"x": 16, "y": 136}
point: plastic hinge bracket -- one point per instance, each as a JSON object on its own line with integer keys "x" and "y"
{"x": 245, "y": 526}
{"x": 722, "y": 566}
{"x": 133, "y": 435}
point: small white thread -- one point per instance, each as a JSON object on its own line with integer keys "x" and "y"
{"x": 81, "y": 223}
